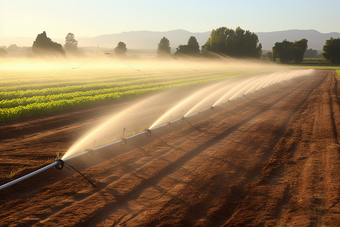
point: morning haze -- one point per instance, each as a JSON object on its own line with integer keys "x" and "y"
{"x": 149, "y": 39}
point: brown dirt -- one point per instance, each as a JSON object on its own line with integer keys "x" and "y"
{"x": 270, "y": 161}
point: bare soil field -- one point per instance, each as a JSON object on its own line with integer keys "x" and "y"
{"x": 271, "y": 159}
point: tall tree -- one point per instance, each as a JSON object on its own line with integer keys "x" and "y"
{"x": 192, "y": 48}
{"x": 71, "y": 44}
{"x": 163, "y": 48}
{"x": 289, "y": 51}
{"x": 120, "y": 49}
{"x": 299, "y": 49}
{"x": 331, "y": 50}
{"x": 45, "y": 46}
{"x": 234, "y": 43}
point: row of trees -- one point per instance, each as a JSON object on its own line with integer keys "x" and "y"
{"x": 331, "y": 50}
{"x": 192, "y": 48}
{"x": 236, "y": 43}
{"x": 290, "y": 51}
{"x": 45, "y": 46}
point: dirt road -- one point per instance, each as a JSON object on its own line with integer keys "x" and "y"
{"x": 270, "y": 161}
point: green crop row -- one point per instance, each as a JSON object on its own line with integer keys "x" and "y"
{"x": 39, "y": 86}
{"x": 128, "y": 79}
{"x": 10, "y": 103}
{"x": 35, "y": 109}
{"x": 91, "y": 89}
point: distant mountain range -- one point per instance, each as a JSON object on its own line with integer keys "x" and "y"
{"x": 150, "y": 40}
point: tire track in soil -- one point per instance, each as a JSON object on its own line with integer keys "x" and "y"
{"x": 169, "y": 169}
{"x": 304, "y": 166}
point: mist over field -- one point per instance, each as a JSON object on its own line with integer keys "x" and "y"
{"x": 146, "y": 40}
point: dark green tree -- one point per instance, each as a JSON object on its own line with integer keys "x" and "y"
{"x": 192, "y": 48}
{"x": 331, "y": 50}
{"x": 120, "y": 49}
{"x": 45, "y": 46}
{"x": 289, "y": 51}
{"x": 310, "y": 53}
{"x": 163, "y": 48}
{"x": 71, "y": 44}
{"x": 283, "y": 51}
{"x": 234, "y": 43}
{"x": 299, "y": 49}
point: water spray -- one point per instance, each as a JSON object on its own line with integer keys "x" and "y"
{"x": 80, "y": 65}
{"x": 134, "y": 69}
{"x": 60, "y": 163}
{"x": 91, "y": 60}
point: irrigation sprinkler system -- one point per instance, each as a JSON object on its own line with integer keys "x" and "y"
{"x": 254, "y": 84}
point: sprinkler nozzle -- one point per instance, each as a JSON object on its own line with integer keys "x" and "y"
{"x": 59, "y": 163}
{"x": 148, "y": 132}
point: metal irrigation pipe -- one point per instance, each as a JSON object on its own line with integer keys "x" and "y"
{"x": 28, "y": 175}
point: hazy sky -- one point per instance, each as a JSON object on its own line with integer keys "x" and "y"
{"x": 27, "y": 18}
